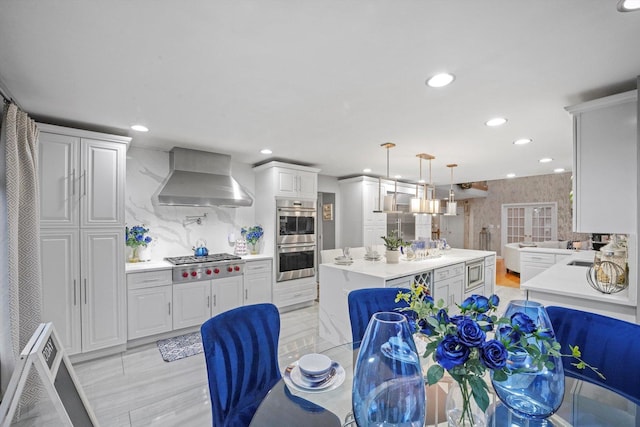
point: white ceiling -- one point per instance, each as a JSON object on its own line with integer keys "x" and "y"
{"x": 325, "y": 82}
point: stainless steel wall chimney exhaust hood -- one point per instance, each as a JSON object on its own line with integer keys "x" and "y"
{"x": 201, "y": 178}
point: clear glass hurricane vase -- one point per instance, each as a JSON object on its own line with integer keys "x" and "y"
{"x": 388, "y": 388}
{"x": 535, "y": 393}
{"x": 462, "y": 409}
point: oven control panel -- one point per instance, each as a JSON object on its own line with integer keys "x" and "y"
{"x": 196, "y": 272}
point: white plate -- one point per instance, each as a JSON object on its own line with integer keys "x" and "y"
{"x": 293, "y": 378}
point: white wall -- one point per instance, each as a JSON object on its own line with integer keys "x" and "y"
{"x": 146, "y": 170}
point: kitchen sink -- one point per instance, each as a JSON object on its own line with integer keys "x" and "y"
{"x": 581, "y": 263}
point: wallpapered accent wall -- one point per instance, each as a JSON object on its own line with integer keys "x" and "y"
{"x": 542, "y": 188}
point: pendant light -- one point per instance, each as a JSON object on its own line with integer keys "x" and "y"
{"x": 387, "y": 204}
{"x": 416, "y": 202}
{"x": 452, "y": 205}
{"x": 431, "y": 205}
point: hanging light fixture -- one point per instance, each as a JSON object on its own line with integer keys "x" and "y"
{"x": 430, "y": 204}
{"x": 387, "y": 203}
{"x": 452, "y": 205}
{"x": 416, "y": 202}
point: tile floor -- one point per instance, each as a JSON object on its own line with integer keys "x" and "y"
{"x": 138, "y": 388}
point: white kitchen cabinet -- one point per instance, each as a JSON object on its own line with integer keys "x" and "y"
{"x": 257, "y": 281}
{"x": 150, "y": 311}
{"x": 81, "y": 178}
{"x": 533, "y": 263}
{"x": 448, "y": 283}
{"x": 296, "y": 183}
{"x": 149, "y": 307}
{"x": 103, "y": 293}
{"x": 605, "y": 164}
{"x": 192, "y": 303}
{"x": 489, "y": 275}
{"x": 361, "y": 226}
{"x": 83, "y": 293}
{"x": 226, "y": 293}
{"x": 61, "y": 288}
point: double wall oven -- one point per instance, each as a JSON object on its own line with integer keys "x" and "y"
{"x": 295, "y": 240}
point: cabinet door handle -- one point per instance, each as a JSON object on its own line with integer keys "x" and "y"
{"x": 74, "y": 293}
{"x": 73, "y": 182}
{"x": 214, "y": 301}
{"x": 85, "y": 291}
{"x": 84, "y": 190}
{"x": 246, "y": 294}
{"x": 169, "y": 304}
{"x": 208, "y": 301}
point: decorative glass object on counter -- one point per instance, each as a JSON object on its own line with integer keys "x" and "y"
{"x": 609, "y": 273}
{"x": 240, "y": 247}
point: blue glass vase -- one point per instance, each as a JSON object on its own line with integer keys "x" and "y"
{"x": 535, "y": 393}
{"x": 388, "y": 388}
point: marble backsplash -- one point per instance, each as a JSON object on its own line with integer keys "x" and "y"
{"x": 173, "y": 233}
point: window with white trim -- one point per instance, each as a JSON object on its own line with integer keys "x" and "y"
{"x": 529, "y": 222}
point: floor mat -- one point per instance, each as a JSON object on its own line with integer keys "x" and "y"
{"x": 177, "y": 348}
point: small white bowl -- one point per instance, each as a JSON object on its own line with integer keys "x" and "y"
{"x": 314, "y": 364}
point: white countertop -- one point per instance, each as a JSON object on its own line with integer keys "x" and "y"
{"x": 571, "y": 280}
{"x": 404, "y": 268}
{"x": 161, "y": 264}
{"x": 549, "y": 250}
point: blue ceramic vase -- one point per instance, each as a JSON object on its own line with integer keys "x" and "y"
{"x": 536, "y": 393}
{"x": 388, "y": 388}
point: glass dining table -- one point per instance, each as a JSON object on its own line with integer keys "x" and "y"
{"x": 584, "y": 404}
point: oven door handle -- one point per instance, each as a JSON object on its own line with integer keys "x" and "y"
{"x": 298, "y": 247}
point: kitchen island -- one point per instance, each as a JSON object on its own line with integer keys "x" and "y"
{"x": 565, "y": 284}
{"x": 453, "y": 276}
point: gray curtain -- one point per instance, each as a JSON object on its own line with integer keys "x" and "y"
{"x": 20, "y": 294}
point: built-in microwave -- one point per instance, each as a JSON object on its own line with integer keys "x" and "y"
{"x": 296, "y": 221}
{"x": 475, "y": 274}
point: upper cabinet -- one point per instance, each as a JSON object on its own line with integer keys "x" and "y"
{"x": 359, "y": 198}
{"x": 290, "y": 181}
{"x": 605, "y": 164}
{"x": 82, "y": 178}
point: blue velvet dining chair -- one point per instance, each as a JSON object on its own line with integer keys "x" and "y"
{"x": 241, "y": 352}
{"x": 364, "y": 303}
{"x": 609, "y": 344}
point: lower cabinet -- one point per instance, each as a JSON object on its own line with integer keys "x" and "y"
{"x": 83, "y": 287}
{"x": 226, "y": 294}
{"x": 149, "y": 311}
{"x": 257, "y": 282}
{"x": 155, "y": 305}
{"x": 448, "y": 284}
{"x": 191, "y": 304}
{"x": 532, "y": 264}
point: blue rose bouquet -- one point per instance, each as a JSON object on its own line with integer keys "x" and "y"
{"x": 136, "y": 236}
{"x": 476, "y": 340}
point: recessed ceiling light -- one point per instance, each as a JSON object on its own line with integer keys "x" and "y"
{"x": 140, "y": 128}
{"x": 496, "y": 121}
{"x": 522, "y": 141}
{"x": 440, "y": 80}
{"x": 546, "y": 160}
{"x": 511, "y": 175}
{"x": 366, "y": 170}
{"x": 558, "y": 170}
{"x": 266, "y": 151}
{"x": 628, "y": 5}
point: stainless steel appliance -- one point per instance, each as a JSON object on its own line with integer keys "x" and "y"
{"x": 296, "y": 239}
{"x": 296, "y": 221}
{"x": 213, "y": 266}
{"x": 474, "y": 274}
